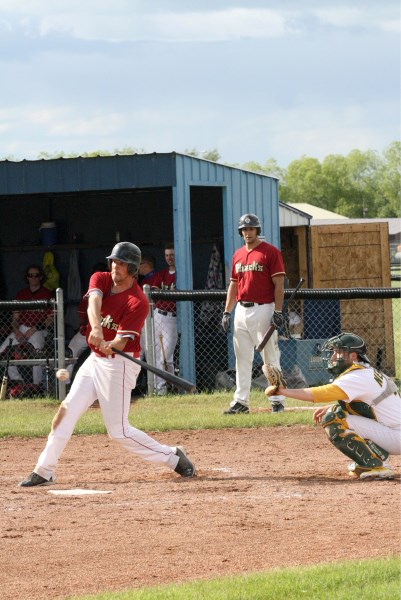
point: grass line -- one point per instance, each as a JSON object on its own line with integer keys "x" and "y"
{"x": 32, "y": 418}
{"x": 376, "y": 579}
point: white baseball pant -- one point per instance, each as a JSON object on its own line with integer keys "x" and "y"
{"x": 250, "y": 325}
{"x": 368, "y": 429}
{"x": 109, "y": 380}
{"x": 37, "y": 340}
{"x": 165, "y": 326}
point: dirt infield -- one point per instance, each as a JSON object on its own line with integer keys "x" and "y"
{"x": 263, "y": 498}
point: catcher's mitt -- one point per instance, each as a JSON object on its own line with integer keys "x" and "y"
{"x": 275, "y": 379}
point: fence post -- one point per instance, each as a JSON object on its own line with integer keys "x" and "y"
{"x": 149, "y": 341}
{"x": 60, "y": 357}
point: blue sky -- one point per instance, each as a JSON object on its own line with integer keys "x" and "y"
{"x": 254, "y": 79}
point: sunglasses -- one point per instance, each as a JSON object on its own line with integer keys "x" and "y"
{"x": 33, "y": 275}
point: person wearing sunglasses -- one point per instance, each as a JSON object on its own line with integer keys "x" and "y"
{"x": 29, "y": 327}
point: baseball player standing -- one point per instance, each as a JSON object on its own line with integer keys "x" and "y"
{"x": 165, "y": 319}
{"x": 257, "y": 286}
{"x": 146, "y": 276}
{"x": 117, "y": 309}
{"x": 365, "y": 421}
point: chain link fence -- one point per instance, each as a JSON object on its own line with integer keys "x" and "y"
{"x": 311, "y": 318}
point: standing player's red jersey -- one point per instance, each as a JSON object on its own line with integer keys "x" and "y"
{"x": 165, "y": 280}
{"x": 254, "y": 269}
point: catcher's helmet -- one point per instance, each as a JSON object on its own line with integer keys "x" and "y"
{"x": 348, "y": 342}
{"x": 249, "y": 220}
{"x": 128, "y": 253}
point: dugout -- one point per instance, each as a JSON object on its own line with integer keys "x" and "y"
{"x": 149, "y": 199}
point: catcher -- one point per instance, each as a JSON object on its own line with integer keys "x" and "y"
{"x": 365, "y": 421}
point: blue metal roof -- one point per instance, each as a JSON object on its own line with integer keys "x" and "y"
{"x": 83, "y": 174}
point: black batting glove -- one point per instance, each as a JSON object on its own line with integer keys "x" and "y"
{"x": 226, "y": 322}
{"x": 277, "y": 318}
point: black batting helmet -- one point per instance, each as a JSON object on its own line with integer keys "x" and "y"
{"x": 249, "y": 220}
{"x": 128, "y": 253}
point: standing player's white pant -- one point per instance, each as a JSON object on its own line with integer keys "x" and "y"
{"x": 77, "y": 345}
{"x": 37, "y": 340}
{"x": 109, "y": 380}
{"x": 165, "y": 326}
{"x": 250, "y": 325}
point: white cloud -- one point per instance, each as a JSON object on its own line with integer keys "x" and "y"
{"x": 380, "y": 16}
{"x": 204, "y": 26}
{"x": 129, "y": 21}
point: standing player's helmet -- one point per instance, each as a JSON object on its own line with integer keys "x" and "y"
{"x": 128, "y": 253}
{"x": 348, "y": 342}
{"x": 249, "y": 220}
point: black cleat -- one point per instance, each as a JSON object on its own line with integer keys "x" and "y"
{"x": 278, "y": 407}
{"x": 236, "y": 409}
{"x": 35, "y": 479}
{"x": 184, "y": 467}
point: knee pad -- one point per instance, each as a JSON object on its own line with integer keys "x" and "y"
{"x": 363, "y": 452}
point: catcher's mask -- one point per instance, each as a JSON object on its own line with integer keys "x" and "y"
{"x": 249, "y": 220}
{"x": 128, "y": 253}
{"x": 345, "y": 343}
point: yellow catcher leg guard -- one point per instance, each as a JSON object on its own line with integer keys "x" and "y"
{"x": 363, "y": 452}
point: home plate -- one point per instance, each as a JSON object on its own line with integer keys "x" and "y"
{"x": 77, "y": 492}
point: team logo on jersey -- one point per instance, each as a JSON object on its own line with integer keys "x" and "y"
{"x": 108, "y": 323}
{"x": 255, "y": 266}
{"x": 165, "y": 286}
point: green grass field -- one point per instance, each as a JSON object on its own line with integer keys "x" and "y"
{"x": 367, "y": 580}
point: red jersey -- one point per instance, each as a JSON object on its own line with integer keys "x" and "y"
{"x": 253, "y": 271}
{"x": 122, "y": 314}
{"x": 164, "y": 280}
{"x": 33, "y": 318}
{"x": 148, "y": 279}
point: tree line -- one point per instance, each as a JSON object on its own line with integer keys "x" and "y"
{"x": 359, "y": 185}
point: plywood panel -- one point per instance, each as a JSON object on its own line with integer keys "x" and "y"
{"x": 351, "y": 256}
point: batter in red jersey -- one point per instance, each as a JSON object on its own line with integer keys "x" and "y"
{"x": 257, "y": 287}
{"x": 117, "y": 308}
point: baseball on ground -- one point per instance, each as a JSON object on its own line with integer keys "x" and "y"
{"x": 62, "y": 374}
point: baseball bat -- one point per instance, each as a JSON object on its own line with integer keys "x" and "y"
{"x": 163, "y": 352}
{"x": 169, "y": 377}
{"x": 272, "y": 327}
{"x": 165, "y": 367}
{"x": 4, "y": 383}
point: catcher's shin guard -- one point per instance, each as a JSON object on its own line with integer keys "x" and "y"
{"x": 363, "y": 452}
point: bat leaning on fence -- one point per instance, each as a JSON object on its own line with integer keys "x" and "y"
{"x": 163, "y": 352}
{"x": 273, "y": 327}
{"x": 179, "y": 382}
{"x": 170, "y": 387}
{"x": 4, "y": 382}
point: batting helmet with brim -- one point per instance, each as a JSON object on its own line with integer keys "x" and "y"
{"x": 249, "y": 220}
{"x": 347, "y": 342}
{"x": 128, "y": 253}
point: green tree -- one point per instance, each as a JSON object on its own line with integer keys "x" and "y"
{"x": 361, "y": 184}
{"x": 388, "y": 201}
{"x": 212, "y": 154}
{"x": 304, "y": 181}
{"x": 270, "y": 168}
{"x": 125, "y": 151}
